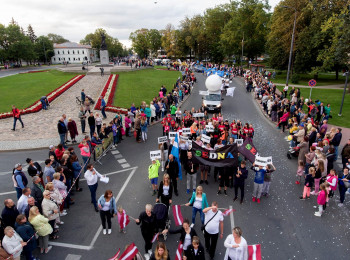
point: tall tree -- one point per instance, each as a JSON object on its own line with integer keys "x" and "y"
{"x": 55, "y": 38}
{"x": 140, "y": 42}
{"x": 44, "y": 48}
{"x": 154, "y": 41}
{"x": 31, "y": 33}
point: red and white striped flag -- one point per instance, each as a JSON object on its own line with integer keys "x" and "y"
{"x": 254, "y": 252}
{"x": 228, "y": 212}
{"x": 177, "y": 215}
{"x": 179, "y": 251}
{"x": 115, "y": 257}
{"x": 129, "y": 253}
{"x": 124, "y": 221}
{"x": 155, "y": 237}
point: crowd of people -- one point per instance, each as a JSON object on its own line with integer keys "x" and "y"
{"x": 312, "y": 141}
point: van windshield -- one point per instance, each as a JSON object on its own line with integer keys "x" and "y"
{"x": 212, "y": 97}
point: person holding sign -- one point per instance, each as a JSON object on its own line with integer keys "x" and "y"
{"x": 153, "y": 175}
{"x": 260, "y": 172}
{"x": 240, "y": 177}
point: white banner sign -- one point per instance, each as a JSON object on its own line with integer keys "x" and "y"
{"x": 185, "y": 138}
{"x": 230, "y": 92}
{"x": 239, "y": 142}
{"x": 172, "y": 135}
{"x": 263, "y": 161}
{"x": 186, "y": 131}
{"x": 162, "y": 139}
{"x": 154, "y": 155}
{"x": 209, "y": 128}
{"x": 206, "y": 139}
{"x": 198, "y": 114}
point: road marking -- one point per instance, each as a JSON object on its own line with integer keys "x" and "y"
{"x": 68, "y": 245}
{"x": 122, "y": 161}
{"x": 118, "y": 156}
{"x": 115, "y": 152}
{"x": 125, "y": 165}
{"x": 232, "y": 219}
{"x": 73, "y": 257}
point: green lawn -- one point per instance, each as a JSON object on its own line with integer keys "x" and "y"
{"x": 142, "y": 85}
{"x": 323, "y": 79}
{"x": 334, "y": 98}
{"x": 23, "y": 90}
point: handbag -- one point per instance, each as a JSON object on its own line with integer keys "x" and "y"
{"x": 203, "y": 226}
{"x": 346, "y": 183}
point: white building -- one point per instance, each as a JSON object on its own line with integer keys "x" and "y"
{"x": 72, "y": 52}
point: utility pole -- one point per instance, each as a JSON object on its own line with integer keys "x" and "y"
{"x": 346, "y": 84}
{"x": 242, "y": 59}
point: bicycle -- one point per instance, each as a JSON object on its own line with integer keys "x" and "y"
{"x": 79, "y": 102}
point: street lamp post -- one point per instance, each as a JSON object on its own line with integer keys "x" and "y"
{"x": 346, "y": 83}
{"x": 292, "y": 42}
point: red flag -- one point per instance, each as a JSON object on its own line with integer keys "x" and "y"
{"x": 124, "y": 221}
{"x": 228, "y": 212}
{"x": 177, "y": 215}
{"x": 155, "y": 237}
{"x": 254, "y": 252}
{"x": 129, "y": 253}
{"x": 179, "y": 251}
{"x": 115, "y": 256}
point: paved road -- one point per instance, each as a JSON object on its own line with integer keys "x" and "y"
{"x": 285, "y": 226}
{"x": 9, "y": 72}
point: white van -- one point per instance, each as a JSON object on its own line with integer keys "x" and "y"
{"x": 212, "y": 101}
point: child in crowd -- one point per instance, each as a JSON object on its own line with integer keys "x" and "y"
{"x": 258, "y": 182}
{"x": 153, "y": 175}
{"x": 309, "y": 179}
{"x": 300, "y": 171}
{"x": 267, "y": 180}
{"x": 120, "y": 213}
{"x": 321, "y": 199}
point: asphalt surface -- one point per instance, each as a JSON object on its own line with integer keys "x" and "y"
{"x": 285, "y": 227}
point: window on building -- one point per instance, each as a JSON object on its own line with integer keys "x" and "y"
{"x": 68, "y": 52}
{"x": 83, "y": 52}
{"x": 58, "y": 52}
{"x": 78, "y": 58}
{"x": 64, "y": 58}
{"x": 54, "y": 59}
{"x": 73, "y": 52}
{"x": 62, "y": 52}
{"x": 78, "y": 51}
{"x": 68, "y": 58}
{"x": 73, "y": 58}
{"x": 59, "y": 59}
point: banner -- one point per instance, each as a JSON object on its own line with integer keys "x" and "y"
{"x": 184, "y": 138}
{"x": 124, "y": 221}
{"x": 209, "y": 128}
{"x": 176, "y": 152}
{"x": 186, "y": 131}
{"x": 263, "y": 161}
{"x": 254, "y": 252}
{"x": 177, "y": 215}
{"x": 162, "y": 139}
{"x": 248, "y": 150}
{"x": 226, "y": 156}
{"x": 206, "y": 139}
{"x": 115, "y": 257}
{"x": 155, "y": 237}
{"x": 154, "y": 155}
{"x": 172, "y": 135}
{"x": 230, "y": 91}
{"x": 179, "y": 251}
{"x": 129, "y": 253}
{"x": 239, "y": 142}
{"x": 198, "y": 115}
{"x": 228, "y": 212}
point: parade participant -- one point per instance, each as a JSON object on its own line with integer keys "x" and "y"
{"x": 108, "y": 209}
{"x": 191, "y": 172}
{"x": 195, "y": 251}
{"x": 16, "y": 116}
{"x": 13, "y": 243}
{"x": 91, "y": 176}
{"x": 165, "y": 191}
{"x": 267, "y": 180}
{"x": 236, "y": 245}
{"x": 42, "y": 227}
{"x": 161, "y": 252}
{"x": 240, "y": 177}
{"x": 187, "y": 234}
{"x": 198, "y": 202}
{"x": 214, "y": 222}
{"x": 258, "y": 182}
{"x": 26, "y": 231}
{"x": 224, "y": 179}
{"x": 153, "y": 175}
{"x": 147, "y": 220}
{"x": 172, "y": 168}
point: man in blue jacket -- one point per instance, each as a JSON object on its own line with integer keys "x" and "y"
{"x": 258, "y": 182}
{"x": 336, "y": 142}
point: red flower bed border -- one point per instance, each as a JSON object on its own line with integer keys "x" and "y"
{"x": 109, "y": 102}
{"x": 36, "y": 106}
{"x": 34, "y": 71}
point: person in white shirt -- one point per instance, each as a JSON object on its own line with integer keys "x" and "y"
{"x": 236, "y": 245}
{"x": 91, "y": 176}
{"x": 214, "y": 221}
{"x": 23, "y": 200}
{"x": 13, "y": 243}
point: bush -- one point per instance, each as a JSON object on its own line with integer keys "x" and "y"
{"x": 279, "y": 72}
{"x": 295, "y": 78}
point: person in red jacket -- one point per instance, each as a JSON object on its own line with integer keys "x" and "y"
{"x": 16, "y": 116}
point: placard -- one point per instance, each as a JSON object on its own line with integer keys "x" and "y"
{"x": 172, "y": 135}
{"x": 183, "y": 137}
{"x": 209, "y": 128}
{"x": 239, "y": 142}
{"x": 154, "y": 155}
{"x": 198, "y": 115}
{"x": 263, "y": 161}
{"x": 162, "y": 139}
{"x": 206, "y": 139}
{"x": 186, "y": 131}
{"x": 104, "y": 179}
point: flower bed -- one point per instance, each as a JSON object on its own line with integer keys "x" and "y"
{"x": 108, "y": 95}
{"x": 34, "y": 71}
{"x": 36, "y": 107}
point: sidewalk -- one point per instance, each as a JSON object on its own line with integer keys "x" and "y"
{"x": 337, "y": 86}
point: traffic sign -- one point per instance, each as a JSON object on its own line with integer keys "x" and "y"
{"x": 312, "y": 83}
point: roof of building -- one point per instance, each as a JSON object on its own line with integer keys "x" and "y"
{"x": 71, "y": 45}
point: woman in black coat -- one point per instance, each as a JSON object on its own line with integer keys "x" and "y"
{"x": 165, "y": 191}
{"x": 187, "y": 233}
{"x": 195, "y": 251}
